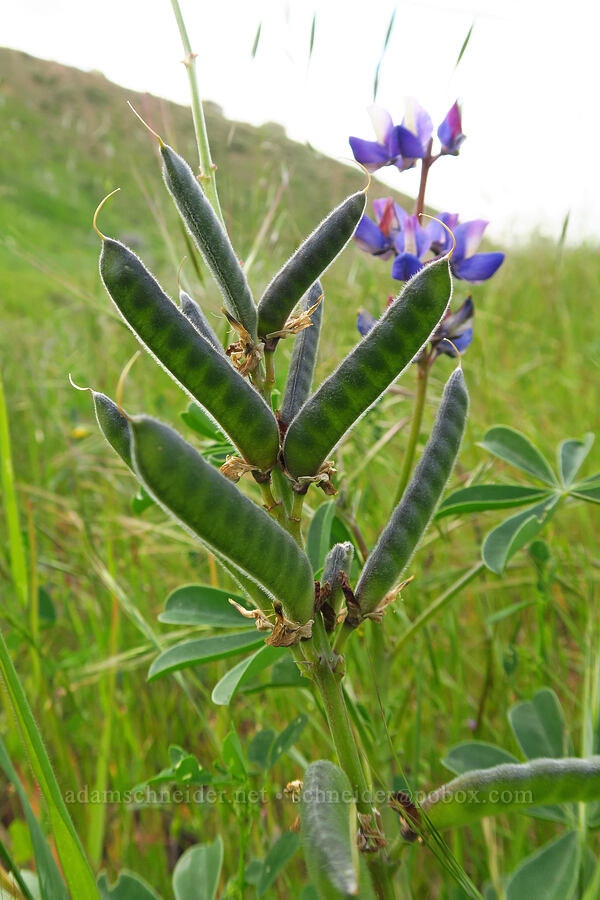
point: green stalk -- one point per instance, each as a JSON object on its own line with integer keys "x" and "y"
{"x": 415, "y": 429}
{"x": 207, "y": 168}
{"x": 318, "y": 652}
{"x": 295, "y": 519}
{"x": 269, "y": 376}
{"x": 34, "y": 612}
{"x": 18, "y": 562}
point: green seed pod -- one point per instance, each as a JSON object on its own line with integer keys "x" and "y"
{"x": 304, "y": 357}
{"x": 308, "y": 263}
{"x": 226, "y": 521}
{"x": 192, "y": 311}
{"x": 339, "y": 559}
{"x": 207, "y": 376}
{"x": 400, "y": 538}
{"x": 368, "y": 370}
{"x": 210, "y": 238}
{"x": 491, "y": 792}
{"x": 113, "y": 425}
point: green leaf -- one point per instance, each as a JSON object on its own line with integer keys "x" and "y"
{"x": 128, "y": 886}
{"x": 571, "y": 455}
{"x": 550, "y": 873}
{"x": 287, "y": 738}
{"x": 277, "y": 857}
{"x": 506, "y": 539}
{"x": 203, "y": 650}
{"x": 514, "y": 448}
{"x": 590, "y": 494}
{"x": 481, "y": 497}
{"x": 259, "y": 749}
{"x": 196, "y": 419}
{"x": 233, "y": 756}
{"x": 318, "y": 541}
{"x": 225, "y": 689}
{"x": 51, "y": 883}
{"x": 197, "y": 872}
{"x": 77, "y": 871}
{"x": 539, "y": 726}
{"x": 199, "y": 604}
{"x": 476, "y": 755}
{"x": 328, "y": 816}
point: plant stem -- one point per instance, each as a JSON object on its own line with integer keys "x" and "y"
{"x": 415, "y": 429}
{"x": 295, "y": 519}
{"x": 207, "y": 168}
{"x": 274, "y": 507}
{"x": 426, "y": 164}
{"x": 269, "y": 382}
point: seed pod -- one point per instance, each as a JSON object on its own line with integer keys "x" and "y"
{"x": 113, "y": 425}
{"x": 304, "y": 355}
{"x": 190, "y": 359}
{"x": 339, "y": 559}
{"x": 226, "y": 521}
{"x": 368, "y": 370}
{"x": 192, "y": 311}
{"x": 210, "y": 238}
{"x": 308, "y": 262}
{"x": 411, "y": 517}
{"x": 513, "y": 786}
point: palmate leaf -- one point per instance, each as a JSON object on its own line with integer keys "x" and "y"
{"x": 476, "y": 755}
{"x": 226, "y": 688}
{"x": 551, "y": 873}
{"x": 484, "y": 497}
{"x": 196, "y": 875}
{"x": 539, "y": 726}
{"x": 128, "y": 886}
{"x": 571, "y": 455}
{"x": 513, "y": 447}
{"x": 203, "y": 650}
{"x": 199, "y": 604}
{"x": 590, "y": 494}
{"x": 514, "y": 533}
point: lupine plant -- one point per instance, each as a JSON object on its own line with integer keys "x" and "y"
{"x": 303, "y": 591}
{"x": 300, "y": 602}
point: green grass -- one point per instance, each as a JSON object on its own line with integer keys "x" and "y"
{"x": 69, "y": 140}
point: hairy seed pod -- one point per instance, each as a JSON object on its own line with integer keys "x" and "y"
{"x": 192, "y": 311}
{"x": 513, "y": 786}
{"x": 113, "y": 425}
{"x": 304, "y": 356}
{"x": 213, "y": 509}
{"x": 210, "y": 237}
{"x": 207, "y": 376}
{"x": 368, "y": 370}
{"x": 308, "y": 263}
{"x": 339, "y": 559}
{"x": 400, "y": 538}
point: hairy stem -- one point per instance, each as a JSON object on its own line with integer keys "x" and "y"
{"x": 426, "y": 164}
{"x": 269, "y": 382}
{"x": 294, "y": 525}
{"x": 207, "y": 168}
{"x": 274, "y": 507}
{"x": 415, "y": 429}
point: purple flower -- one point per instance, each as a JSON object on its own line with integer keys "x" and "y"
{"x": 396, "y": 145}
{"x": 418, "y": 121}
{"x": 465, "y": 263}
{"x": 378, "y": 239}
{"x": 450, "y": 131}
{"x": 365, "y": 321}
{"x": 439, "y": 238}
{"x": 457, "y": 327}
{"x": 411, "y": 245}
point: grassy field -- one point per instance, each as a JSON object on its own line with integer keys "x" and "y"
{"x": 104, "y": 573}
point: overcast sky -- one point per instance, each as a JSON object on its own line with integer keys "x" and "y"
{"x": 528, "y": 83}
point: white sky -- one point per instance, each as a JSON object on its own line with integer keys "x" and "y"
{"x": 528, "y": 83}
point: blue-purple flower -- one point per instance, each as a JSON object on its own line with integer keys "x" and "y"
{"x": 457, "y": 327}
{"x": 450, "y": 131}
{"x": 396, "y": 145}
{"x": 411, "y": 244}
{"x": 465, "y": 263}
{"x": 378, "y": 237}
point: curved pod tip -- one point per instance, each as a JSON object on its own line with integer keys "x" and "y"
{"x": 98, "y": 208}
